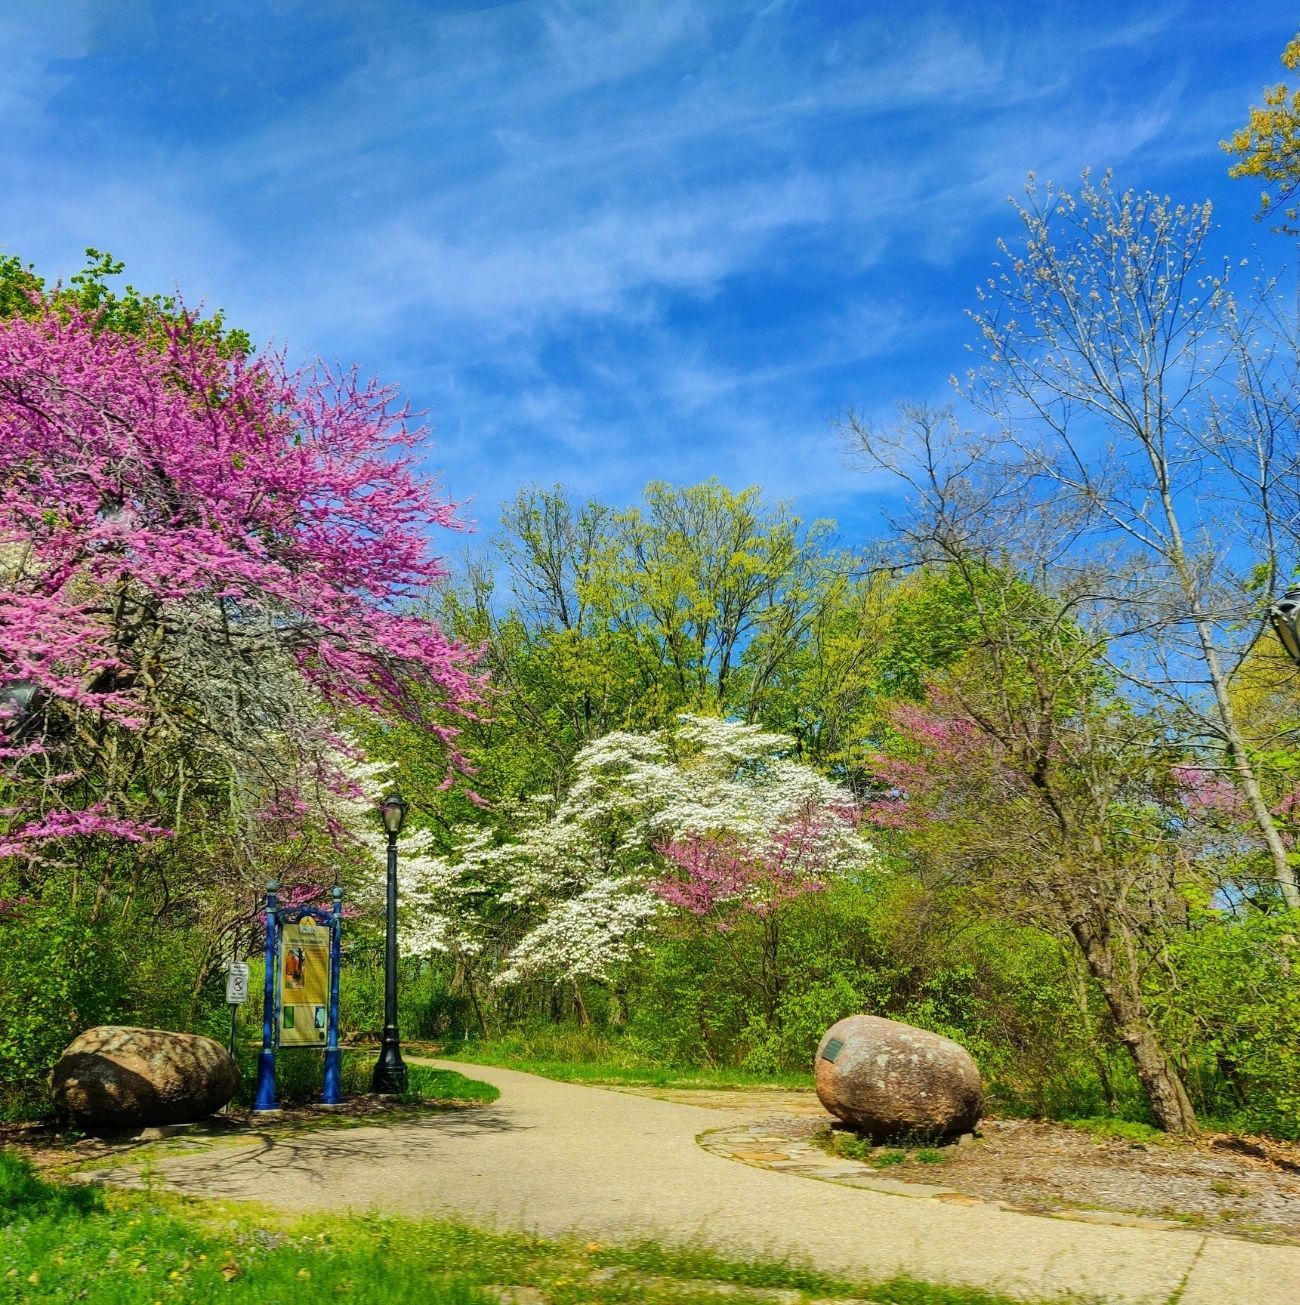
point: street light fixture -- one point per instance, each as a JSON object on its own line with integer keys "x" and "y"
{"x": 20, "y": 697}
{"x": 390, "y": 1070}
{"x": 1285, "y": 616}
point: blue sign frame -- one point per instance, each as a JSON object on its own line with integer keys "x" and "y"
{"x": 275, "y": 919}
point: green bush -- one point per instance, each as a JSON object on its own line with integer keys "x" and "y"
{"x": 62, "y": 972}
{"x": 429, "y": 1010}
{"x": 893, "y": 950}
{"x": 57, "y": 977}
{"x": 300, "y": 1078}
{"x": 1236, "y": 1018}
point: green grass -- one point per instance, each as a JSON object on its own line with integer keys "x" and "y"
{"x": 426, "y": 1085}
{"x": 852, "y": 1146}
{"x": 299, "y": 1075}
{"x": 1107, "y": 1126}
{"x": 62, "y": 1243}
{"x": 581, "y": 1056}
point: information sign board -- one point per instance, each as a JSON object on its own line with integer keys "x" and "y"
{"x": 304, "y": 983}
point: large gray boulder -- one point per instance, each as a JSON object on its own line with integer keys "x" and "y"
{"x": 114, "y": 1078}
{"x": 894, "y": 1082}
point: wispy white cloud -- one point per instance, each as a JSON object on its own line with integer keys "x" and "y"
{"x": 602, "y": 242}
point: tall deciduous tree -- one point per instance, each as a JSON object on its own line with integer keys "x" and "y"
{"x": 1023, "y": 778}
{"x": 1146, "y": 441}
{"x": 700, "y": 577}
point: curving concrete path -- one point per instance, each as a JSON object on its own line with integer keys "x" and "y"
{"x": 556, "y": 1158}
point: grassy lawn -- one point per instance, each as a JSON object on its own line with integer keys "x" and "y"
{"x": 576, "y": 1056}
{"x": 68, "y": 1243}
{"x": 299, "y": 1076}
{"x": 424, "y": 1084}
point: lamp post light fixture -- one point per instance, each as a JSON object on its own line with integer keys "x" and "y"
{"x": 22, "y": 700}
{"x": 1285, "y": 616}
{"x": 390, "y": 1070}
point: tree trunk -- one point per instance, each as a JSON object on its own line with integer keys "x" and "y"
{"x": 472, "y": 989}
{"x": 1164, "y": 1090}
{"x": 617, "y": 1006}
{"x": 1238, "y": 753}
{"x": 1169, "y": 1100}
{"x": 579, "y": 1006}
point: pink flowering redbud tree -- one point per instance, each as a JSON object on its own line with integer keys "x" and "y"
{"x": 733, "y": 882}
{"x": 207, "y": 561}
{"x": 1057, "y": 813}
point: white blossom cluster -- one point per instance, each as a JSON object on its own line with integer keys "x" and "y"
{"x": 424, "y": 881}
{"x": 578, "y": 870}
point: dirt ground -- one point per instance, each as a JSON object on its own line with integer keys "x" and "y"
{"x": 1245, "y": 1187}
{"x": 1042, "y": 1167}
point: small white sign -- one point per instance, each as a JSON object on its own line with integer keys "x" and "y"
{"x": 237, "y": 983}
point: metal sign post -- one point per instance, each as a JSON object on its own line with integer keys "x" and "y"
{"x": 332, "y": 1093}
{"x": 236, "y": 991}
{"x": 265, "y": 1099}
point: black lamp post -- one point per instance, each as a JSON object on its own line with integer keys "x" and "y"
{"x": 390, "y": 1070}
{"x": 1285, "y": 615}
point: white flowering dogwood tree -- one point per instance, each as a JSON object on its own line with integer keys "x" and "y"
{"x": 708, "y": 819}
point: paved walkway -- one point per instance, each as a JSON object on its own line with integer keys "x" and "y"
{"x": 555, "y": 1158}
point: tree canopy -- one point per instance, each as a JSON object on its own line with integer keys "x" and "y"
{"x": 1268, "y": 147}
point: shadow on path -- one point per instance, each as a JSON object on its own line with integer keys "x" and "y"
{"x": 315, "y": 1156}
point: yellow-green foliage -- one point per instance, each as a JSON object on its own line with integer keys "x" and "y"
{"x": 1268, "y": 146}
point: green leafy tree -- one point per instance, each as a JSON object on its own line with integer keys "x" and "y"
{"x": 126, "y": 310}
{"x": 1056, "y": 808}
{"x": 1268, "y": 148}
{"x": 714, "y": 590}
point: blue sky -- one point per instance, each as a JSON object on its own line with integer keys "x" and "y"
{"x": 609, "y": 242}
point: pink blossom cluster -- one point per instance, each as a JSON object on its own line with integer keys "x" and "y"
{"x": 716, "y": 873}
{"x": 91, "y": 820}
{"x": 941, "y": 745}
{"x": 317, "y": 895}
{"x": 1206, "y": 791}
{"x": 168, "y": 476}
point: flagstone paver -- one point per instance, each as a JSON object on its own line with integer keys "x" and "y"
{"x": 556, "y": 1158}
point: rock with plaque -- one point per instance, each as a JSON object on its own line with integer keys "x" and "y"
{"x": 895, "y": 1082}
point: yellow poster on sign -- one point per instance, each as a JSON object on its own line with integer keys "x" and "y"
{"x": 304, "y": 983}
